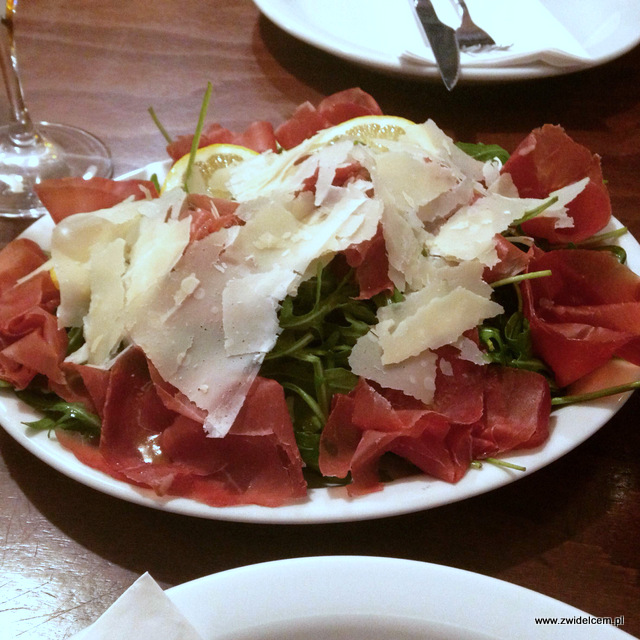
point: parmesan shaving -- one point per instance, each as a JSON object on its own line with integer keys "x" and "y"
{"x": 416, "y": 376}
{"x": 469, "y": 233}
{"x": 109, "y": 263}
{"x": 438, "y": 320}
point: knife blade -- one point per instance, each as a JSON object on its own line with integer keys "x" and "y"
{"x": 442, "y": 39}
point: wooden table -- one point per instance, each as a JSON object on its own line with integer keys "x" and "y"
{"x": 570, "y": 531}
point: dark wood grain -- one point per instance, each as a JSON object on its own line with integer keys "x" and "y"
{"x": 570, "y": 531}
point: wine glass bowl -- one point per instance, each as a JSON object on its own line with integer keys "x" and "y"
{"x": 32, "y": 152}
{"x": 55, "y": 151}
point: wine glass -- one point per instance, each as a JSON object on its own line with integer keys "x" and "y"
{"x": 31, "y": 152}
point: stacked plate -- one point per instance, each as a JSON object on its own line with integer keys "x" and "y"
{"x": 345, "y": 598}
{"x": 535, "y": 38}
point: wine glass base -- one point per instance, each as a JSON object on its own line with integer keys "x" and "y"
{"x": 61, "y": 151}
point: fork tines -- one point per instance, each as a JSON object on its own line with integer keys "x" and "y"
{"x": 470, "y": 35}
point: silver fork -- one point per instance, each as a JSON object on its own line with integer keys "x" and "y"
{"x": 469, "y": 34}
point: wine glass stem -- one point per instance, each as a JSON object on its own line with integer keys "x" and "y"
{"x": 23, "y": 133}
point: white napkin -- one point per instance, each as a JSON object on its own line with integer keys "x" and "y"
{"x": 525, "y": 31}
{"x": 142, "y": 611}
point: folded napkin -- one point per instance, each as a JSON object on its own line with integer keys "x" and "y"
{"x": 525, "y": 31}
{"x": 142, "y": 611}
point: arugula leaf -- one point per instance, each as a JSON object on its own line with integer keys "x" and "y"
{"x": 484, "y": 152}
{"x": 532, "y": 213}
{"x": 507, "y": 338}
{"x": 563, "y": 401}
{"x": 159, "y": 124}
{"x": 156, "y": 182}
{"x": 75, "y": 337}
{"x": 196, "y": 136}
{"x": 319, "y": 326}
{"x": 58, "y": 414}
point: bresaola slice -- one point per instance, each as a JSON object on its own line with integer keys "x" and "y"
{"x": 258, "y": 136}
{"x": 31, "y": 342}
{"x": 145, "y": 443}
{"x": 308, "y": 120}
{"x": 208, "y": 215}
{"x": 512, "y": 260}
{"x": 369, "y": 259}
{"x": 584, "y": 313}
{"x": 65, "y": 196}
{"x": 257, "y": 462}
{"x": 547, "y": 160}
{"x": 517, "y": 404}
{"x": 513, "y": 413}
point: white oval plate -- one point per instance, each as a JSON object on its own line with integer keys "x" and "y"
{"x": 369, "y": 598}
{"x": 570, "y": 426}
{"x": 360, "y": 33}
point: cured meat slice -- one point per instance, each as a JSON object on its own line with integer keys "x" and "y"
{"x": 208, "y": 215}
{"x": 517, "y": 404}
{"x": 84, "y": 384}
{"x": 18, "y": 259}
{"x": 339, "y": 107}
{"x": 512, "y": 260}
{"x": 364, "y": 425}
{"x": 347, "y": 104}
{"x": 587, "y": 311}
{"x": 258, "y": 136}
{"x": 63, "y": 197}
{"x": 30, "y": 341}
{"x": 256, "y": 462}
{"x": 509, "y": 410}
{"x": 369, "y": 258}
{"x": 547, "y": 160}
{"x": 147, "y": 444}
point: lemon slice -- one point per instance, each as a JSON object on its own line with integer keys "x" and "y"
{"x": 368, "y": 130}
{"x": 374, "y": 132}
{"x": 210, "y": 170}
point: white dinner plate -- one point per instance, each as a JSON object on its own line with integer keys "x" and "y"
{"x": 366, "y": 32}
{"x": 570, "y": 426}
{"x": 370, "y": 598}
